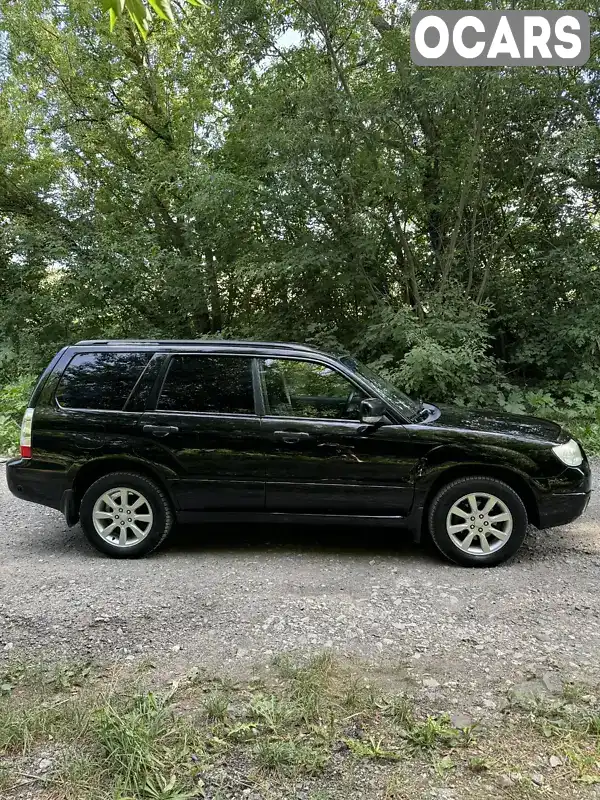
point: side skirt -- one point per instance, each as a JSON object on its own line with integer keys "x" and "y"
{"x": 185, "y": 517}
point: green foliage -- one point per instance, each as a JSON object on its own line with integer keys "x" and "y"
{"x": 371, "y": 748}
{"x": 289, "y": 757}
{"x": 108, "y": 736}
{"x": 140, "y": 12}
{"x": 141, "y": 743}
{"x": 479, "y": 764}
{"x": 441, "y": 357}
{"x": 400, "y": 708}
{"x": 284, "y": 171}
{"x": 13, "y": 402}
{"x": 432, "y": 732}
{"x": 216, "y": 704}
{"x": 574, "y": 404}
{"x": 270, "y": 711}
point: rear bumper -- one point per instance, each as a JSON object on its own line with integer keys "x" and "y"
{"x": 47, "y": 487}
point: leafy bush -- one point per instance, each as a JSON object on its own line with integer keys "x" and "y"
{"x": 574, "y": 404}
{"x": 442, "y": 357}
{"x": 13, "y": 402}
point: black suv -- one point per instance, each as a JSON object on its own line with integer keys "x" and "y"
{"x": 128, "y": 436}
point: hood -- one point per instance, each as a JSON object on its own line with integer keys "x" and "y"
{"x": 497, "y": 423}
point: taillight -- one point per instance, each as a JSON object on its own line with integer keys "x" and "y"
{"x": 26, "y": 427}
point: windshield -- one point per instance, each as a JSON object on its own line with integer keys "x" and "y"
{"x": 405, "y": 404}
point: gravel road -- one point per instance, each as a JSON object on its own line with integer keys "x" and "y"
{"x": 230, "y": 597}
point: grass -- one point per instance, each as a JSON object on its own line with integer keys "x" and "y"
{"x": 371, "y": 748}
{"x": 290, "y": 757}
{"x": 138, "y": 738}
{"x": 216, "y": 705}
{"x": 401, "y": 710}
{"x": 6, "y": 778}
{"x": 111, "y": 735}
{"x": 22, "y": 726}
{"x": 432, "y": 732}
{"x": 571, "y": 726}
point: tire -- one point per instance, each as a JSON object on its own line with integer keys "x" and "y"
{"x": 453, "y": 521}
{"x": 108, "y": 527}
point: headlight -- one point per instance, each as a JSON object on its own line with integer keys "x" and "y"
{"x": 569, "y": 453}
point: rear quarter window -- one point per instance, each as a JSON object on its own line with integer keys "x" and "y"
{"x": 100, "y": 381}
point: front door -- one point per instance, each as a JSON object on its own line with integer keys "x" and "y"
{"x": 204, "y": 432}
{"x": 320, "y": 458}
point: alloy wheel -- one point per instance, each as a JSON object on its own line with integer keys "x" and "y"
{"x": 479, "y": 523}
{"x": 122, "y": 516}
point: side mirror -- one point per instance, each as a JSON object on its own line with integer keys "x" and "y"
{"x": 372, "y": 411}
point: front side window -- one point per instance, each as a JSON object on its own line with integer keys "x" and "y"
{"x": 100, "y": 381}
{"x": 407, "y": 406}
{"x": 208, "y": 384}
{"x": 308, "y": 389}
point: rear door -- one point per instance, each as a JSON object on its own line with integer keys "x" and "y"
{"x": 204, "y": 430}
{"x": 83, "y": 409}
{"x": 320, "y": 457}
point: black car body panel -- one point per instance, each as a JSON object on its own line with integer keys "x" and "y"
{"x": 257, "y": 464}
{"x": 335, "y": 468}
{"x": 501, "y": 424}
{"x": 217, "y": 461}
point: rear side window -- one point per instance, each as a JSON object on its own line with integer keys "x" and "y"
{"x": 217, "y": 384}
{"x": 100, "y": 380}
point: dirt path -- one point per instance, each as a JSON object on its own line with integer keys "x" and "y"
{"x": 229, "y": 597}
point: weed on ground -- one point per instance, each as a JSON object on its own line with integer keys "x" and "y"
{"x": 313, "y": 730}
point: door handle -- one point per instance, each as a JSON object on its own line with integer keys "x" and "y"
{"x": 291, "y": 437}
{"x": 160, "y": 430}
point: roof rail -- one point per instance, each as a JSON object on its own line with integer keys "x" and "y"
{"x": 192, "y": 342}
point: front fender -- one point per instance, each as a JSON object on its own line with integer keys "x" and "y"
{"x": 483, "y": 456}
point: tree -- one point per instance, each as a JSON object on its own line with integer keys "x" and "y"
{"x": 215, "y": 180}
{"x": 140, "y": 12}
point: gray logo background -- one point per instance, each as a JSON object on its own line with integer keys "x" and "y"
{"x": 491, "y": 19}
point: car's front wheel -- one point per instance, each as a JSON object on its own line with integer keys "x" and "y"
{"x": 125, "y": 515}
{"x": 477, "y": 521}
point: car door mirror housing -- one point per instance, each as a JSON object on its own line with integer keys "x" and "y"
{"x": 372, "y": 411}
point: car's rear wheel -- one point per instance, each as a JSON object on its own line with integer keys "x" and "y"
{"x": 477, "y": 521}
{"x": 125, "y": 515}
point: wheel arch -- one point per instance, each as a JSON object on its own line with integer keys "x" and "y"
{"x": 505, "y": 474}
{"x": 92, "y": 470}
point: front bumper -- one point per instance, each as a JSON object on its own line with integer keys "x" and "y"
{"x": 568, "y": 497}
{"x": 559, "y": 509}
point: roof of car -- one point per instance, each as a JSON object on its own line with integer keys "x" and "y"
{"x": 194, "y": 343}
